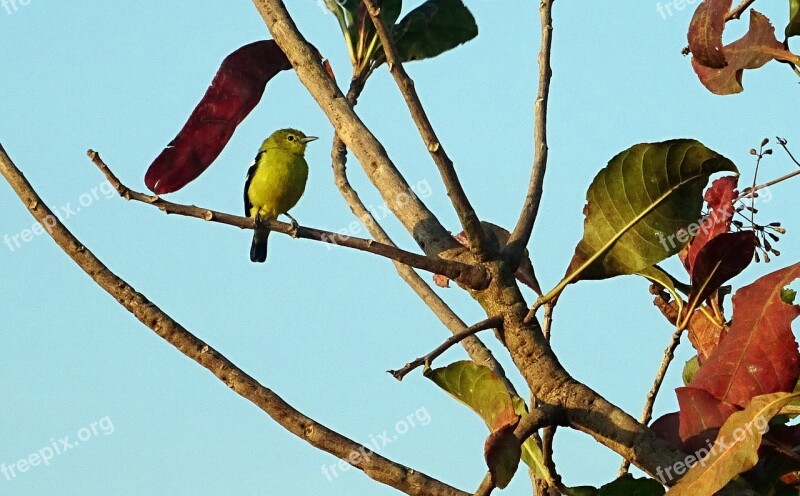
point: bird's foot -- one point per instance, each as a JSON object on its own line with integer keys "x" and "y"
{"x": 259, "y": 221}
{"x": 295, "y": 227}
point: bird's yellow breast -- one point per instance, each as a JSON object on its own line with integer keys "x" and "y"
{"x": 278, "y": 182}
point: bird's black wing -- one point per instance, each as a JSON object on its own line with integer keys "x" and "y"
{"x": 250, "y": 173}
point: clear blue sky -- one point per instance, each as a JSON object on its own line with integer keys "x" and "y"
{"x": 318, "y": 325}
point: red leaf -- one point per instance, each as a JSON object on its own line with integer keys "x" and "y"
{"x": 720, "y": 197}
{"x": 759, "y": 354}
{"x": 667, "y": 428}
{"x": 701, "y": 416}
{"x": 704, "y": 335}
{"x": 502, "y": 448}
{"x": 705, "y": 32}
{"x": 721, "y": 259}
{"x": 235, "y": 90}
{"x": 755, "y": 49}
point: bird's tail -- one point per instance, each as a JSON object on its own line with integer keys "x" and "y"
{"x": 258, "y": 249}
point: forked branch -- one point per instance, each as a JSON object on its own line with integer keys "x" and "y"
{"x": 466, "y": 214}
{"x": 522, "y": 231}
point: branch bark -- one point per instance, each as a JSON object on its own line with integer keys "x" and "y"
{"x": 381, "y": 469}
{"x": 522, "y": 231}
{"x": 650, "y": 400}
{"x": 472, "y": 276}
{"x": 466, "y": 214}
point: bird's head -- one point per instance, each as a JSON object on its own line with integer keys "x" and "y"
{"x": 290, "y": 140}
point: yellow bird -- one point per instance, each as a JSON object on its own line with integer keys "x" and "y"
{"x": 275, "y": 183}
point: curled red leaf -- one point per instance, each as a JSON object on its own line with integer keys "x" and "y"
{"x": 234, "y": 91}
{"x": 752, "y": 51}
{"x": 705, "y": 32}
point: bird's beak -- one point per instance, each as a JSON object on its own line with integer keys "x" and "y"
{"x": 308, "y": 139}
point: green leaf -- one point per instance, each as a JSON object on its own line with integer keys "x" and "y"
{"x": 793, "y": 28}
{"x": 433, "y": 28}
{"x": 639, "y": 206}
{"x": 477, "y": 387}
{"x": 582, "y": 491}
{"x": 344, "y": 10}
{"x": 486, "y": 394}
{"x": 390, "y": 11}
{"x": 628, "y": 486}
{"x": 788, "y": 296}
{"x": 533, "y": 457}
{"x": 690, "y": 369}
{"x": 736, "y": 448}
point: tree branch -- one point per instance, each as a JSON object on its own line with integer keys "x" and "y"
{"x": 491, "y": 323}
{"x": 477, "y": 351}
{"x": 522, "y": 231}
{"x": 375, "y": 466}
{"x": 426, "y": 229}
{"x": 586, "y": 410}
{"x": 747, "y": 192}
{"x": 736, "y": 12}
{"x": 647, "y": 411}
{"x": 466, "y": 214}
{"x": 470, "y": 275}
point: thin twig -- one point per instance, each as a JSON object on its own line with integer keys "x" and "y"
{"x": 549, "y": 433}
{"x": 476, "y": 350}
{"x": 753, "y": 187}
{"x": 669, "y": 354}
{"x": 647, "y": 412}
{"x": 375, "y": 466}
{"x": 749, "y": 191}
{"x": 736, "y": 12}
{"x": 784, "y": 144}
{"x": 524, "y": 228}
{"x": 471, "y": 276}
{"x": 490, "y": 323}
{"x": 466, "y": 213}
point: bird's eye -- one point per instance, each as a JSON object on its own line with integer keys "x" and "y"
{"x": 290, "y": 138}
